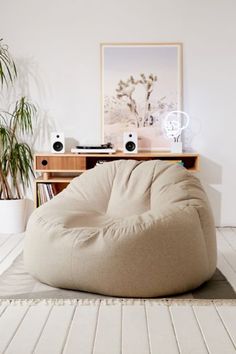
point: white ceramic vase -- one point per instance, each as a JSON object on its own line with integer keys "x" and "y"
{"x": 177, "y": 147}
{"x": 12, "y": 216}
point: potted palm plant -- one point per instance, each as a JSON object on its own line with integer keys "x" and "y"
{"x": 15, "y": 154}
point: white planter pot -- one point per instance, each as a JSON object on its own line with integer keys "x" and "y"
{"x": 12, "y": 216}
{"x": 177, "y": 147}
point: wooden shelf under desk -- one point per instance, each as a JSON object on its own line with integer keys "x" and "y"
{"x": 54, "y": 167}
{"x": 56, "y": 179}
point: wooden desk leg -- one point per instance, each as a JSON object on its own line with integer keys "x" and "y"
{"x": 46, "y": 176}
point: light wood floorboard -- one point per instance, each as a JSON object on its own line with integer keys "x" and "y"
{"x": 45, "y": 328}
{"x": 10, "y": 247}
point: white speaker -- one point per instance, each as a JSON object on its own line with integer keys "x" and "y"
{"x": 57, "y": 143}
{"x": 130, "y": 143}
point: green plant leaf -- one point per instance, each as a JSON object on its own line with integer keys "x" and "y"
{"x": 22, "y": 116}
{"x": 8, "y": 71}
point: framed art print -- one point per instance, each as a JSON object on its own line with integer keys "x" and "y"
{"x": 141, "y": 83}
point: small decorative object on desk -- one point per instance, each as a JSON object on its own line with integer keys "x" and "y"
{"x": 174, "y": 123}
{"x": 94, "y": 149}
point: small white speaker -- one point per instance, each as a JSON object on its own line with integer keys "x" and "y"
{"x": 130, "y": 143}
{"x": 57, "y": 143}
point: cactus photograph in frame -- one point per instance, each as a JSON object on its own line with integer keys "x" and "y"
{"x": 141, "y": 83}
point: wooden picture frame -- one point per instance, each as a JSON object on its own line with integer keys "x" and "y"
{"x": 141, "y": 83}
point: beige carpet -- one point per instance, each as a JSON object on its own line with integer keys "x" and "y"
{"x": 16, "y": 283}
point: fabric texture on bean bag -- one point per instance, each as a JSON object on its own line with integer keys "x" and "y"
{"x": 125, "y": 228}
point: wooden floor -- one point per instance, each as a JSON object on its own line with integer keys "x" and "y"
{"x": 129, "y": 327}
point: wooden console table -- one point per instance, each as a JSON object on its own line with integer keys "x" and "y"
{"x": 57, "y": 170}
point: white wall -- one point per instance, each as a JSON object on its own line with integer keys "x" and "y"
{"x": 58, "y": 42}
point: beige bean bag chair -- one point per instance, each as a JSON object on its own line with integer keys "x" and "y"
{"x": 125, "y": 228}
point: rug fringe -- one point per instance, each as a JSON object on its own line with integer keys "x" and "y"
{"x": 96, "y": 302}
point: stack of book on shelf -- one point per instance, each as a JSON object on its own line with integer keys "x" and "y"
{"x": 46, "y": 191}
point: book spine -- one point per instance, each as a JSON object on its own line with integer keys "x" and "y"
{"x": 45, "y": 192}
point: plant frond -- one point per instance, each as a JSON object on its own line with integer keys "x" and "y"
{"x": 5, "y": 138}
{"x": 8, "y": 71}
{"x": 22, "y": 117}
{"x": 21, "y": 163}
